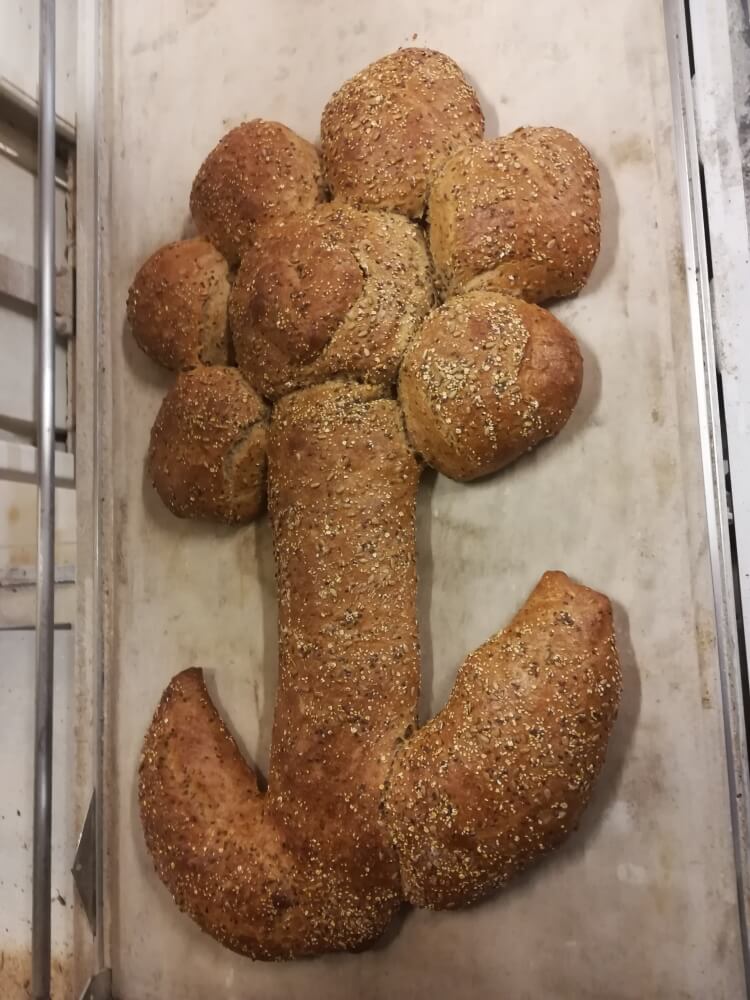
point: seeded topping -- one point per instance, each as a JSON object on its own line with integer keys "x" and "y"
{"x": 503, "y": 773}
{"x": 336, "y": 293}
{"x": 177, "y": 305}
{"x": 207, "y": 457}
{"x": 487, "y": 378}
{"x": 387, "y": 130}
{"x": 360, "y": 812}
{"x": 307, "y": 867}
{"x": 260, "y": 171}
{"x": 518, "y": 214}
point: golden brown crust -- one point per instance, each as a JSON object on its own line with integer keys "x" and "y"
{"x": 486, "y": 378}
{"x": 207, "y": 457}
{"x": 330, "y": 294}
{"x": 308, "y": 867}
{"x": 518, "y": 214}
{"x": 259, "y": 171}
{"x": 502, "y": 774}
{"x": 177, "y": 305}
{"x": 387, "y": 130}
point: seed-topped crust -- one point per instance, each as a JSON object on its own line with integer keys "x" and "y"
{"x": 331, "y": 294}
{"x": 519, "y": 215}
{"x": 502, "y": 774}
{"x": 259, "y": 171}
{"x": 308, "y": 867}
{"x": 387, "y": 130}
{"x": 361, "y": 813}
{"x": 485, "y": 379}
{"x": 177, "y": 305}
{"x": 207, "y": 457}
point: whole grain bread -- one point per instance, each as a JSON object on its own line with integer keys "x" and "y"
{"x": 308, "y": 866}
{"x": 518, "y": 214}
{"x": 387, "y": 130}
{"x": 177, "y": 305}
{"x": 334, "y": 293}
{"x": 207, "y": 457}
{"x": 486, "y": 378}
{"x": 502, "y": 774}
{"x": 259, "y": 171}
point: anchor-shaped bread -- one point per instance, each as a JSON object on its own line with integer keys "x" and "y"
{"x": 363, "y": 811}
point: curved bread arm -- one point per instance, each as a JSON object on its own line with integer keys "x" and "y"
{"x": 502, "y": 774}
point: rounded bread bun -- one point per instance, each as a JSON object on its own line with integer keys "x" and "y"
{"x": 207, "y": 457}
{"x": 259, "y": 171}
{"x": 519, "y": 214}
{"x": 177, "y": 305}
{"x": 335, "y": 293}
{"x": 387, "y": 130}
{"x": 486, "y": 378}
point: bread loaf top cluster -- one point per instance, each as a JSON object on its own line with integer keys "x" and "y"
{"x": 311, "y": 267}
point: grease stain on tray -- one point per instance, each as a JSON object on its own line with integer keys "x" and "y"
{"x": 631, "y": 149}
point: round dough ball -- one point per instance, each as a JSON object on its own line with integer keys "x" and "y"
{"x": 387, "y": 130}
{"x": 259, "y": 171}
{"x": 207, "y": 457}
{"x": 335, "y": 293}
{"x": 486, "y": 379}
{"x": 177, "y": 305}
{"x": 518, "y": 215}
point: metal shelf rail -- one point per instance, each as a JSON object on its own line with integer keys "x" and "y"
{"x": 45, "y": 614}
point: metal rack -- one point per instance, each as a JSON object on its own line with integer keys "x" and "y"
{"x": 45, "y": 623}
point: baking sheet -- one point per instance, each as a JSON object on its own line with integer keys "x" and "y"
{"x": 641, "y": 902}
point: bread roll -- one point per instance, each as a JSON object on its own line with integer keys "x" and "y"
{"x": 259, "y": 171}
{"x": 333, "y": 293}
{"x": 307, "y": 867}
{"x": 486, "y": 378}
{"x": 519, "y": 215}
{"x": 177, "y": 305}
{"x": 208, "y": 447}
{"x": 387, "y": 130}
{"x": 502, "y": 774}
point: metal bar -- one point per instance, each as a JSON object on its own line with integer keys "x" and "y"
{"x": 100, "y": 968}
{"x": 29, "y": 109}
{"x": 45, "y": 617}
{"x": 19, "y": 464}
{"x": 20, "y": 282}
{"x": 709, "y": 420}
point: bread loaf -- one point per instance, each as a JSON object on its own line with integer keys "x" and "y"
{"x": 259, "y": 171}
{"x": 207, "y": 457}
{"x": 519, "y": 215}
{"x": 388, "y": 129}
{"x": 485, "y": 379}
{"x": 502, "y": 774}
{"x": 307, "y": 867}
{"x": 329, "y": 294}
{"x": 177, "y": 305}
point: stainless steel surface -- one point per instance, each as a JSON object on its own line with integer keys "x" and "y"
{"x": 721, "y": 58}
{"x": 643, "y": 901}
{"x": 92, "y": 418}
{"x": 84, "y": 864}
{"x": 707, "y": 400}
{"x": 99, "y": 986}
{"x": 45, "y": 619}
{"x": 100, "y": 620}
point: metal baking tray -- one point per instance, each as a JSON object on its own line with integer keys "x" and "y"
{"x": 647, "y": 898}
